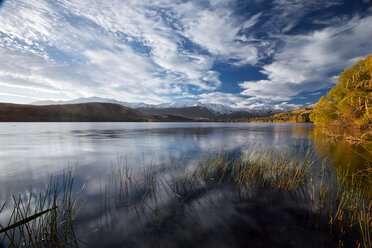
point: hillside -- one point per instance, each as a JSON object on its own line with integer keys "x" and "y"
{"x": 295, "y": 116}
{"x": 84, "y": 112}
{"x": 188, "y": 112}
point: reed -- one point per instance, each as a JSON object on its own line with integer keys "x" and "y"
{"x": 46, "y": 219}
{"x": 43, "y": 219}
{"x": 339, "y": 195}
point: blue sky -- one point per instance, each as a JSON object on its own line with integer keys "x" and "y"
{"x": 243, "y": 53}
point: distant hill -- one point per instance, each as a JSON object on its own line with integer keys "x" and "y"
{"x": 110, "y": 112}
{"x": 186, "y": 108}
{"x": 200, "y": 113}
{"x": 188, "y": 112}
{"x": 297, "y": 116}
{"x": 245, "y": 115}
{"x": 83, "y": 112}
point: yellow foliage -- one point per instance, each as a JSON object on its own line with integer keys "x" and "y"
{"x": 349, "y": 102}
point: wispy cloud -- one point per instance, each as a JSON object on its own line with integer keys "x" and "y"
{"x": 216, "y": 30}
{"x": 124, "y": 50}
{"x": 22, "y": 96}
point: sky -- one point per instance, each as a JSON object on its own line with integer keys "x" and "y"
{"x": 241, "y": 53}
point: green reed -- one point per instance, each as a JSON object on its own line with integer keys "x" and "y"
{"x": 43, "y": 219}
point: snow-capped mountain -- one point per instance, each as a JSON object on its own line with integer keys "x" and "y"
{"x": 218, "y": 109}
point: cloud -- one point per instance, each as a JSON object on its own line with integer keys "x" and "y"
{"x": 159, "y": 51}
{"x": 217, "y": 30}
{"x": 229, "y": 99}
{"x": 22, "y": 96}
{"x": 285, "y": 106}
{"x": 136, "y": 56}
{"x": 285, "y": 15}
{"x": 236, "y": 101}
{"x": 42, "y": 76}
{"x": 309, "y": 63}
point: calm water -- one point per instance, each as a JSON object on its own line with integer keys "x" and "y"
{"x": 31, "y": 152}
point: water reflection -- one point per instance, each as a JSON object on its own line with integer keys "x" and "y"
{"x": 30, "y": 152}
{"x": 342, "y": 155}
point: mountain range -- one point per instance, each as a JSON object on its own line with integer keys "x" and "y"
{"x": 189, "y": 108}
{"x": 80, "y": 112}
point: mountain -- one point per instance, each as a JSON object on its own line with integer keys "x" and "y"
{"x": 89, "y": 100}
{"x": 81, "y": 112}
{"x": 198, "y": 112}
{"x": 216, "y": 108}
{"x": 195, "y": 112}
{"x": 188, "y": 108}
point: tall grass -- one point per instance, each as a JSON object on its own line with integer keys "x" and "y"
{"x": 43, "y": 219}
{"x": 340, "y": 196}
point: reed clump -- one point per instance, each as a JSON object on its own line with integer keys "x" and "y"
{"x": 43, "y": 219}
{"x": 340, "y": 196}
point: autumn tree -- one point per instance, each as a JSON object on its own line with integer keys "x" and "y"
{"x": 349, "y": 102}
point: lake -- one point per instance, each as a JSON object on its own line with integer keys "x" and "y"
{"x": 31, "y": 152}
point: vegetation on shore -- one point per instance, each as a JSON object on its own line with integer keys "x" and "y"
{"x": 346, "y": 112}
{"x": 348, "y": 104}
{"x": 301, "y": 115}
{"x": 294, "y": 116}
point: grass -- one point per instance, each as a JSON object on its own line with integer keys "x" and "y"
{"x": 44, "y": 219}
{"x": 340, "y": 196}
